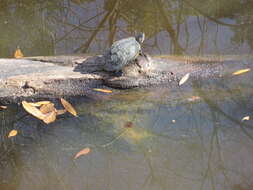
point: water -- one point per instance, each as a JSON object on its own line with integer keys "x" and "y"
{"x": 174, "y": 142}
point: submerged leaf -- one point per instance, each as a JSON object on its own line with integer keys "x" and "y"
{"x": 50, "y": 117}
{"x": 33, "y": 110}
{"x": 246, "y": 118}
{"x": 184, "y": 79}
{"x": 128, "y": 124}
{"x": 68, "y": 107}
{"x": 239, "y": 72}
{"x": 12, "y": 133}
{"x": 102, "y": 90}
{"x": 82, "y": 152}
{"x": 18, "y": 53}
{"x": 46, "y": 108}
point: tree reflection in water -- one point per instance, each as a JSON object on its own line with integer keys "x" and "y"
{"x": 90, "y": 26}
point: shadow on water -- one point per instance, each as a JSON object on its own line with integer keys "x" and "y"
{"x": 160, "y": 138}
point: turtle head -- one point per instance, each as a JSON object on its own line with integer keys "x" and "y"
{"x": 140, "y": 38}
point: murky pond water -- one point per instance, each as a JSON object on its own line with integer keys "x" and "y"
{"x": 161, "y": 138}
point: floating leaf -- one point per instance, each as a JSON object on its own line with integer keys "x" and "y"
{"x": 82, "y": 152}
{"x": 33, "y": 110}
{"x": 38, "y": 104}
{"x": 102, "y": 90}
{"x": 184, "y": 79}
{"x": 3, "y": 107}
{"x": 68, "y": 107}
{"x": 12, "y": 133}
{"x": 47, "y": 108}
{"x": 50, "y": 117}
{"x": 18, "y": 53}
{"x": 193, "y": 98}
{"x": 246, "y": 118}
{"x": 239, "y": 72}
{"x": 60, "y": 112}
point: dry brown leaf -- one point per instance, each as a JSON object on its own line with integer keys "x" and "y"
{"x": 68, "y": 107}
{"x": 50, "y": 117}
{"x": 33, "y": 110}
{"x": 102, "y": 90}
{"x": 246, "y": 118}
{"x": 18, "y": 53}
{"x": 184, "y": 79}
{"x": 38, "y": 104}
{"x": 60, "y": 112}
{"x": 12, "y": 133}
{"x": 239, "y": 72}
{"x": 82, "y": 152}
{"x": 46, "y": 108}
{"x": 3, "y": 107}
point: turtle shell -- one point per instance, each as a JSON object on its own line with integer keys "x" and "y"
{"x": 121, "y": 53}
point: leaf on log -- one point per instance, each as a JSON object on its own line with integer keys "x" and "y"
{"x": 239, "y": 72}
{"x": 18, "y": 53}
{"x": 82, "y": 152}
{"x": 33, "y": 110}
{"x": 12, "y": 133}
{"x": 184, "y": 79}
{"x": 50, "y": 117}
{"x": 68, "y": 107}
{"x": 102, "y": 90}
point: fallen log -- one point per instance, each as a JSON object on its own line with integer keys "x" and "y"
{"x": 52, "y": 77}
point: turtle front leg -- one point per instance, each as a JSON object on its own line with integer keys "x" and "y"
{"x": 142, "y": 54}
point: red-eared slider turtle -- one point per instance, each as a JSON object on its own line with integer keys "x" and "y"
{"x": 123, "y": 52}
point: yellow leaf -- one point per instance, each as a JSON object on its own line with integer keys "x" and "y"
{"x": 33, "y": 110}
{"x": 184, "y": 79}
{"x": 3, "y": 107}
{"x": 12, "y": 133}
{"x": 68, "y": 107}
{"x": 38, "y": 104}
{"x": 18, "y": 53}
{"x": 60, "y": 112}
{"x": 246, "y": 118}
{"x": 46, "y": 108}
{"x": 50, "y": 117}
{"x": 239, "y": 72}
{"x": 82, "y": 152}
{"x": 102, "y": 90}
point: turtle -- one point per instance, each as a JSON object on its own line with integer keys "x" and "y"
{"x": 123, "y": 52}
{"x": 142, "y": 66}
